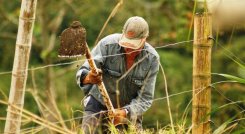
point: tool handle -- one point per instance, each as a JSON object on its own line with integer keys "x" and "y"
{"x": 101, "y": 85}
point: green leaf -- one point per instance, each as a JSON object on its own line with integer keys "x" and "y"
{"x": 221, "y": 129}
{"x": 239, "y": 64}
{"x": 232, "y": 77}
{"x": 242, "y": 131}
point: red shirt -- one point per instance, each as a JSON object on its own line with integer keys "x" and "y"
{"x": 130, "y": 56}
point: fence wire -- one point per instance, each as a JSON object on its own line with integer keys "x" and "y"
{"x": 157, "y": 99}
{"x": 78, "y": 61}
{"x": 228, "y": 53}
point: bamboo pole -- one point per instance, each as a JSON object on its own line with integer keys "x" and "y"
{"x": 201, "y": 105}
{"x": 21, "y": 60}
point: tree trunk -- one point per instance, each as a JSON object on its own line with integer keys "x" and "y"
{"x": 20, "y": 67}
{"x": 201, "y": 105}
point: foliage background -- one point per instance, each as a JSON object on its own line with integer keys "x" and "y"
{"x": 170, "y": 22}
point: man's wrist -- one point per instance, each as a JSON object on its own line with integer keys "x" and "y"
{"x": 86, "y": 80}
{"x": 126, "y": 110}
{"x": 83, "y": 75}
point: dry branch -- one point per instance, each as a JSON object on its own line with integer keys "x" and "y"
{"x": 28, "y": 115}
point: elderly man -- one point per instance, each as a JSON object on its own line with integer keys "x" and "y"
{"x": 129, "y": 66}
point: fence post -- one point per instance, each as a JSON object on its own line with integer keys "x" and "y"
{"x": 201, "y": 105}
{"x": 20, "y": 67}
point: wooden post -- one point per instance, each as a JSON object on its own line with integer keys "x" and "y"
{"x": 201, "y": 105}
{"x": 21, "y": 60}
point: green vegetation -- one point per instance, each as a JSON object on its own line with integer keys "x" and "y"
{"x": 170, "y": 22}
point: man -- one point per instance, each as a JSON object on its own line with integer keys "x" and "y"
{"x": 129, "y": 68}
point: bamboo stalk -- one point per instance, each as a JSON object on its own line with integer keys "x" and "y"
{"x": 201, "y": 105}
{"x": 20, "y": 67}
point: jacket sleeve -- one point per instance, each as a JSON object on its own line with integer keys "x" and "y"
{"x": 98, "y": 55}
{"x": 145, "y": 96}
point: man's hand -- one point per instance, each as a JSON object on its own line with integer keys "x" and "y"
{"x": 120, "y": 117}
{"x": 93, "y": 78}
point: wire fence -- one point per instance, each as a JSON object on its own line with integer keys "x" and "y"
{"x": 73, "y": 62}
{"x": 157, "y": 99}
{"x": 228, "y": 53}
{"x": 78, "y": 61}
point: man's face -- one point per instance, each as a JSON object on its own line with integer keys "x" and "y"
{"x": 128, "y": 50}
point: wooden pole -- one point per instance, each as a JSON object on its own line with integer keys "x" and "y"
{"x": 21, "y": 60}
{"x": 201, "y": 105}
{"x": 102, "y": 89}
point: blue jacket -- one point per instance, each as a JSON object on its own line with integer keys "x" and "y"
{"x": 132, "y": 89}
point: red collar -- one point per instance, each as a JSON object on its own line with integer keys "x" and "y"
{"x": 131, "y": 55}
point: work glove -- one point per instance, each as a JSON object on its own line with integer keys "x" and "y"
{"x": 120, "y": 117}
{"x": 93, "y": 77}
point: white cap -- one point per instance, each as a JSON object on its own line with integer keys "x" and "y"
{"x": 135, "y": 31}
